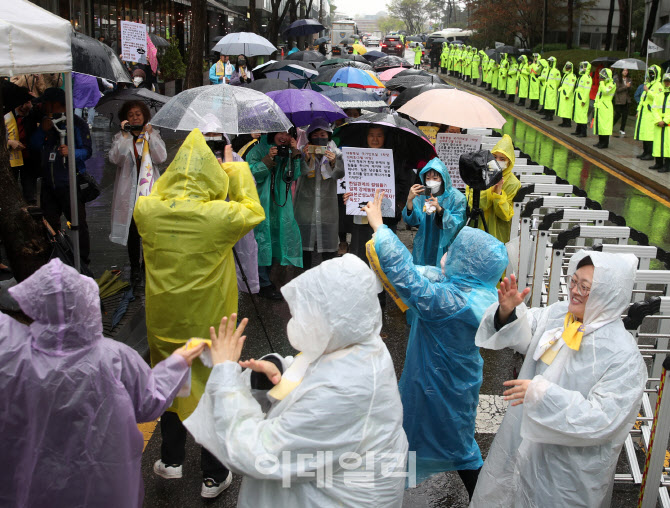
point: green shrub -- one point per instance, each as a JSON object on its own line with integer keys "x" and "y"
{"x": 172, "y": 64}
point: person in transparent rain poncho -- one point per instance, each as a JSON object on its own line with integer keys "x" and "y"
{"x": 72, "y": 398}
{"x": 577, "y": 394}
{"x": 329, "y": 433}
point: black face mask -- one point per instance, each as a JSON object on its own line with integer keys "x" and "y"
{"x": 319, "y": 141}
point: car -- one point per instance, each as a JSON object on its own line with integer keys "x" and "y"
{"x": 337, "y": 50}
{"x": 392, "y": 45}
{"x": 372, "y": 41}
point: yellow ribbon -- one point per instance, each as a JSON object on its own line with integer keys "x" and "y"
{"x": 220, "y": 68}
{"x": 376, "y": 267}
{"x": 574, "y": 330}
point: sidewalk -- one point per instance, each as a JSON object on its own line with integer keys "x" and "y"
{"x": 620, "y": 157}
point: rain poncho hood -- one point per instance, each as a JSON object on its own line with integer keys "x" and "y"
{"x": 188, "y": 230}
{"x": 506, "y": 147}
{"x": 435, "y": 234}
{"x": 444, "y": 313}
{"x": 523, "y": 59}
{"x": 68, "y": 425}
{"x": 656, "y": 72}
{"x": 560, "y": 447}
{"x": 347, "y": 402}
{"x": 606, "y": 75}
{"x": 585, "y": 69}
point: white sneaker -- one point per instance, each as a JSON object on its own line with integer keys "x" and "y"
{"x": 165, "y": 471}
{"x": 210, "y": 489}
{"x": 622, "y": 133}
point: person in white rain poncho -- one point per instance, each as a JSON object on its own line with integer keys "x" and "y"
{"x": 577, "y": 395}
{"x": 333, "y": 434}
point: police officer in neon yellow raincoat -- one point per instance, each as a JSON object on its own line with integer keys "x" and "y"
{"x": 188, "y": 230}
{"x": 497, "y": 203}
{"x": 644, "y": 126}
{"x": 535, "y": 69}
{"x": 512, "y": 79}
{"x": 476, "y": 60}
{"x": 502, "y": 74}
{"x": 661, "y": 113}
{"x": 604, "y": 109}
{"x": 582, "y": 97}
{"x": 551, "y": 89}
{"x": 524, "y": 78}
{"x": 566, "y": 95}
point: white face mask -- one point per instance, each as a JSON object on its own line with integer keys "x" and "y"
{"x": 433, "y": 185}
{"x": 137, "y": 81}
{"x": 502, "y": 164}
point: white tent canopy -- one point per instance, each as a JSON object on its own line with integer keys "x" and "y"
{"x": 32, "y": 40}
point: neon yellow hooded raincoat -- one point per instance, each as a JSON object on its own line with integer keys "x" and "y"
{"x": 498, "y": 208}
{"x": 188, "y": 230}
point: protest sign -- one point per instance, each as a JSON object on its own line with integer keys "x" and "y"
{"x": 430, "y": 131}
{"x": 133, "y": 42}
{"x": 450, "y": 147}
{"x": 365, "y": 171}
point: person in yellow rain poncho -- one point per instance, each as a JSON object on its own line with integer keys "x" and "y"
{"x": 512, "y": 79}
{"x": 644, "y": 126}
{"x": 502, "y": 74}
{"x": 444, "y": 58}
{"x": 535, "y": 69}
{"x": 417, "y": 56}
{"x": 484, "y": 59}
{"x": 566, "y": 95}
{"x": 524, "y": 79}
{"x": 604, "y": 109}
{"x": 544, "y": 75}
{"x": 581, "y": 100}
{"x": 551, "y": 90}
{"x": 496, "y": 202}
{"x": 188, "y": 229}
{"x": 661, "y": 113}
{"x": 476, "y": 60}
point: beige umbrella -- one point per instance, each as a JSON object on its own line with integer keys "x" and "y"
{"x": 453, "y": 107}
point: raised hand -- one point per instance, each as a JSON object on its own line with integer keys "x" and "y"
{"x": 509, "y": 297}
{"x": 227, "y": 346}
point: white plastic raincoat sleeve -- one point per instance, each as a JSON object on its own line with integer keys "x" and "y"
{"x": 555, "y": 415}
{"x": 516, "y": 335}
{"x": 240, "y": 436}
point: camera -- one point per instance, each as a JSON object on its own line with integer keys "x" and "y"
{"x": 283, "y": 151}
{"x": 132, "y": 128}
{"x": 479, "y": 170}
{"x": 217, "y": 146}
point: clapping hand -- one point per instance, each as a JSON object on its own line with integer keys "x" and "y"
{"x": 227, "y": 345}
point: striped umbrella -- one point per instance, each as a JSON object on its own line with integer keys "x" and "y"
{"x": 349, "y": 76}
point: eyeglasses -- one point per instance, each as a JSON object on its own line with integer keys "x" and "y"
{"x": 582, "y": 289}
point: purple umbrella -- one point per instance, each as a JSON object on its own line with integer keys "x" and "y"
{"x": 302, "y": 107}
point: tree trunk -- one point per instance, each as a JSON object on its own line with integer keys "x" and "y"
{"x": 651, "y": 21}
{"x": 194, "y": 66}
{"x": 608, "y": 35}
{"x": 253, "y": 17}
{"x": 571, "y": 15}
{"x": 22, "y": 237}
{"x": 622, "y": 33}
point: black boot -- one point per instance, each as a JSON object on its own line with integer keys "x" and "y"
{"x": 582, "y": 131}
{"x": 566, "y": 123}
{"x": 666, "y": 166}
{"x": 604, "y": 141}
{"x": 511, "y": 98}
{"x": 533, "y": 104}
{"x": 659, "y": 163}
{"x": 647, "y": 149}
{"x": 549, "y": 116}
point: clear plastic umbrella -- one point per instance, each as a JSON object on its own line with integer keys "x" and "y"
{"x": 244, "y": 43}
{"x": 237, "y": 110}
{"x": 630, "y": 63}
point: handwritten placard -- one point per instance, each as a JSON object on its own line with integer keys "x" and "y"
{"x": 449, "y": 149}
{"x": 133, "y": 42}
{"x": 365, "y": 171}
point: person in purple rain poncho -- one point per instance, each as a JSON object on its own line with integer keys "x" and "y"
{"x": 71, "y": 399}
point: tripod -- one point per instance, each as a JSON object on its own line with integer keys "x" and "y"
{"x": 475, "y": 212}
{"x": 253, "y": 301}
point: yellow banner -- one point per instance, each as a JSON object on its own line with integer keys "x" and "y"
{"x": 15, "y": 156}
{"x": 374, "y": 264}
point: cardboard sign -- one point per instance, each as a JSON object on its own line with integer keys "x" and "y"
{"x": 430, "y": 131}
{"x": 365, "y": 171}
{"x": 133, "y": 42}
{"x": 449, "y": 149}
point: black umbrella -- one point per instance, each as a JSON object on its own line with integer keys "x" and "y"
{"x": 508, "y": 49}
{"x": 404, "y": 82}
{"x": 389, "y": 62}
{"x": 347, "y": 40}
{"x": 277, "y": 66}
{"x": 415, "y": 91}
{"x": 111, "y": 103}
{"x": 604, "y": 60}
{"x": 321, "y": 40}
{"x": 406, "y": 139}
{"x": 413, "y": 72}
{"x": 266, "y": 85}
{"x": 372, "y": 56}
{"x": 159, "y": 41}
{"x": 355, "y": 58}
{"x": 92, "y": 57}
{"x": 306, "y": 56}
{"x": 344, "y": 63}
{"x": 304, "y": 27}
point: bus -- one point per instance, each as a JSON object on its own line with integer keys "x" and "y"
{"x": 343, "y": 28}
{"x": 449, "y": 35}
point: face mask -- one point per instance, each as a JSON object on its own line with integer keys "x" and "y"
{"x": 433, "y": 185}
{"x": 137, "y": 81}
{"x": 503, "y": 164}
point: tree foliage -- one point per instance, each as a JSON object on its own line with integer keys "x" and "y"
{"x": 413, "y": 13}
{"x": 390, "y": 24}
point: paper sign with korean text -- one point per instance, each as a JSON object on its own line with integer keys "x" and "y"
{"x": 365, "y": 171}
{"x": 133, "y": 42}
{"x": 449, "y": 149}
{"x": 430, "y": 131}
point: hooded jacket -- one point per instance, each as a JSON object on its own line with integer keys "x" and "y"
{"x": 502, "y": 72}
{"x": 445, "y": 308}
{"x": 566, "y": 95}
{"x": 604, "y": 109}
{"x": 188, "y": 230}
{"x": 524, "y": 77}
{"x": 551, "y": 88}
{"x": 582, "y": 91}
{"x": 278, "y": 236}
{"x": 347, "y": 403}
{"x": 436, "y": 232}
{"x": 72, "y": 399}
{"x": 644, "y": 125}
{"x": 560, "y": 447}
{"x": 512, "y": 76}
{"x": 661, "y": 113}
{"x": 498, "y": 208}
{"x": 544, "y": 75}
{"x": 534, "y": 84}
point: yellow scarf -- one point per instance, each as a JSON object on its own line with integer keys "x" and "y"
{"x": 220, "y": 68}
{"x": 574, "y": 330}
{"x": 376, "y": 267}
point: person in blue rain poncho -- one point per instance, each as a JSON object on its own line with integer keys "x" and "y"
{"x": 439, "y": 217}
{"x": 439, "y": 386}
